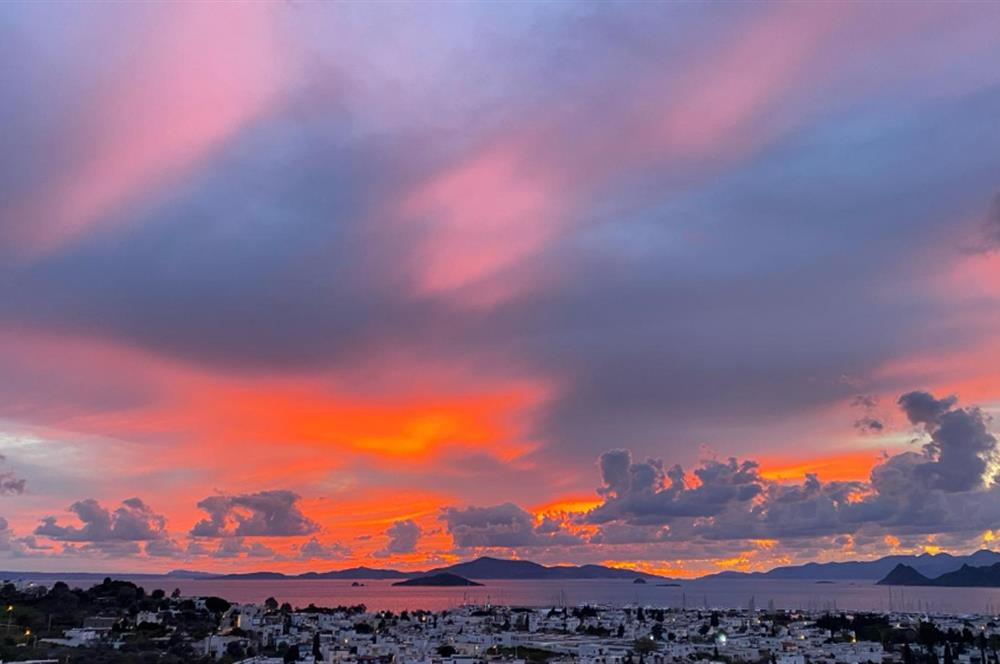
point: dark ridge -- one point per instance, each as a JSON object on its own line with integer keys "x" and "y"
{"x": 443, "y": 579}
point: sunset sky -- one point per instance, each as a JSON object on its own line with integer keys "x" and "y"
{"x": 682, "y": 287}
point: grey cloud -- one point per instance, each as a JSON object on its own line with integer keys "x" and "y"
{"x": 106, "y": 549}
{"x": 646, "y": 494}
{"x": 615, "y": 466}
{"x": 809, "y": 509}
{"x": 235, "y": 547}
{"x": 501, "y": 526}
{"x": 132, "y": 522}
{"x": 164, "y": 548}
{"x": 316, "y": 550}
{"x": 403, "y": 536}
{"x": 923, "y": 408}
{"x": 32, "y": 543}
{"x": 260, "y": 550}
{"x": 960, "y": 449}
{"x": 549, "y": 526}
{"x": 262, "y": 514}
{"x": 945, "y": 488}
{"x": 229, "y": 547}
{"x": 617, "y": 533}
{"x": 869, "y": 424}
{"x": 9, "y": 484}
{"x": 20, "y": 547}
{"x": 866, "y": 401}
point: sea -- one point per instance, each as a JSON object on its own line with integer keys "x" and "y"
{"x": 861, "y": 595}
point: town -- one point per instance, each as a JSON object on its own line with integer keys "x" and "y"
{"x": 117, "y": 622}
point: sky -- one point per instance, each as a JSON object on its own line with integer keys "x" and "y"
{"x": 680, "y": 287}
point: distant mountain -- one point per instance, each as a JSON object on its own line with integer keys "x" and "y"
{"x": 480, "y": 568}
{"x": 360, "y": 573}
{"x": 189, "y": 574}
{"x": 443, "y": 579}
{"x": 904, "y": 575}
{"x": 253, "y": 576}
{"x": 966, "y": 576}
{"x": 930, "y": 565}
{"x": 497, "y": 568}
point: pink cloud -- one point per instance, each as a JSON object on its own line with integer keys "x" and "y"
{"x": 197, "y": 74}
{"x": 717, "y": 102}
{"x": 505, "y": 202}
{"x": 481, "y": 216}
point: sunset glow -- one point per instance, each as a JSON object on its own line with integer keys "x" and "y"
{"x": 674, "y": 287}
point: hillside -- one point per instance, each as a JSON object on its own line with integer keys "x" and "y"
{"x": 966, "y": 576}
{"x": 930, "y": 565}
{"x": 496, "y": 568}
{"x": 367, "y": 573}
{"x": 480, "y": 568}
{"x": 438, "y": 580}
{"x": 904, "y": 575}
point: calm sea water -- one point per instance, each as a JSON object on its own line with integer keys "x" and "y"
{"x": 382, "y": 595}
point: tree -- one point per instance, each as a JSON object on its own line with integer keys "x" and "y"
{"x": 271, "y": 604}
{"x": 446, "y": 650}
{"x": 291, "y": 655}
{"x": 216, "y": 604}
{"x": 317, "y": 652}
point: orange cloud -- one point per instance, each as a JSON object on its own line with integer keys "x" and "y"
{"x": 660, "y": 568}
{"x": 847, "y": 466}
{"x": 568, "y": 504}
{"x": 251, "y": 432}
